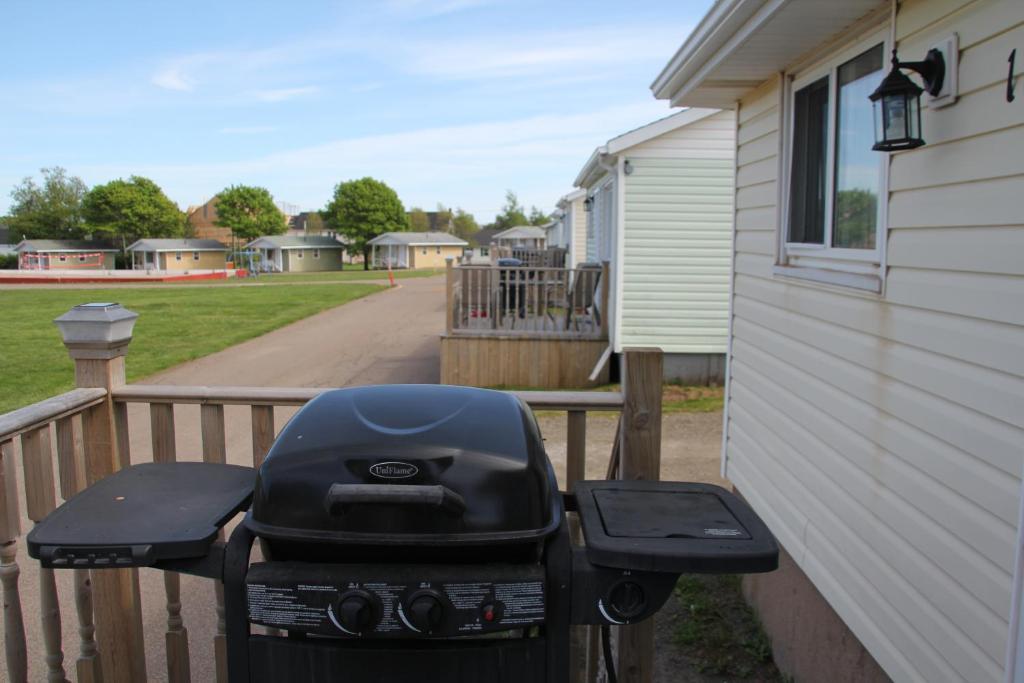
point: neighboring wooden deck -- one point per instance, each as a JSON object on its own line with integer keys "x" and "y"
{"x": 531, "y": 326}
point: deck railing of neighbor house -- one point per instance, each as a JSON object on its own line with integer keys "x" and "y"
{"x": 84, "y": 435}
{"x": 532, "y": 301}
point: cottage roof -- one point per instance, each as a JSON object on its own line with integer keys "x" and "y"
{"x": 296, "y": 242}
{"x": 521, "y": 232}
{"x": 419, "y": 238}
{"x": 166, "y": 244}
{"x": 64, "y": 246}
{"x": 739, "y": 44}
{"x": 592, "y": 170}
{"x": 485, "y": 236}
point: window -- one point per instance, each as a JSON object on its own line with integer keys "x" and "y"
{"x": 62, "y": 258}
{"x": 195, "y": 255}
{"x": 177, "y": 256}
{"x": 299, "y": 253}
{"x": 81, "y": 259}
{"x": 439, "y": 250}
{"x": 316, "y": 253}
{"x": 833, "y": 211}
{"x": 424, "y": 251}
{"x": 484, "y": 251}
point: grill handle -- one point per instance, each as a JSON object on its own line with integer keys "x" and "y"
{"x": 341, "y": 496}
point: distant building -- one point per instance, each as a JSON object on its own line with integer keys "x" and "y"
{"x": 203, "y": 220}
{"x": 65, "y": 255}
{"x": 178, "y": 254}
{"x": 415, "y": 249}
{"x": 293, "y": 253}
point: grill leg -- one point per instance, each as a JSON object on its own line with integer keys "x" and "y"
{"x": 559, "y": 607}
{"x": 236, "y": 613}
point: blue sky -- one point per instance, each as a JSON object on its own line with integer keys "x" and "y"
{"x": 447, "y": 101}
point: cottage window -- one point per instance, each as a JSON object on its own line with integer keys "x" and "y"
{"x": 299, "y": 253}
{"x": 195, "y": 255}
{"x": 62, "y": 257}
{"x": 485, "y": 251}
{"x": 81, "y": 259}
{"x": 439, "y": 250}
{"x": 177, "y": 256}
{"x": 424, "y": 251}
{"x": 833, "y": 194}
{"x": 316, "y": 253}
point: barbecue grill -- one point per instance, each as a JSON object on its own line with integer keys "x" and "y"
{"x": 408, "y": 533}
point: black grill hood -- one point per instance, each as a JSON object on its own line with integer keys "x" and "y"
{"x": 408, "y": 465}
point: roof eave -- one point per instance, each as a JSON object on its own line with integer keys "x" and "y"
{"x": 590, "y": 171}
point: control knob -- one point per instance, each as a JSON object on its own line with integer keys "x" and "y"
{"x": 356, "y": 611}
{"x": 627, "y": 599}
{"x": 424, "y": 610}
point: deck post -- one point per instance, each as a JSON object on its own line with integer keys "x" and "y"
{"x": 640, "y": 459}
{"x": 605, "y": 298}
{"x": 97, "y": 338}
{"x": 449, "y": 291}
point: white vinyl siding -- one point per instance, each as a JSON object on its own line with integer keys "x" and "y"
{"x": 601, "y": 223}
{"x": 579, "y": 228}
{"x": 678, "y": 218}
{"x": 880, "y": 435}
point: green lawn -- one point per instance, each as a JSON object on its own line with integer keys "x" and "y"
{"x": 175, "y": 325}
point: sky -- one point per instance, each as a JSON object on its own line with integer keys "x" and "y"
{"x": 450, "y": 101}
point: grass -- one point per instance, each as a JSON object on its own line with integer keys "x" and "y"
{"x": 174, "y": 326}
{"x": 718, "y": 632}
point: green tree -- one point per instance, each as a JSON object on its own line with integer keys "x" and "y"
{"x": 52, "y": 210}
{"x": 856, "y": 214}
{"x": 465, "y": 225}
{"x": 314, "y": 223}
{"x": 363, "y": 209}
{"x": 250, "y": 212}
{"x": 132, "y": 209}
{"x": 512, "y": 213}
{"x": 418, "y": 220}
{"x": 538, "y": 217}
{"x": 445, "y": 218}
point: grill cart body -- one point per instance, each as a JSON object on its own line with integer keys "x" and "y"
{"x": 408, "y": 533}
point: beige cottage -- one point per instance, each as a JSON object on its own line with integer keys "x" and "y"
{"x": 65, "y": 255}
{"x": 875, "y": 410}
{"x": 178, "y": 254}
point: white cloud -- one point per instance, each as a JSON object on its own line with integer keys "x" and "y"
{"x": 468, "y": 165}
{"x": 431, "y": 8}
{"x": 171, "y": 78}
{"x": 282, "y": 94}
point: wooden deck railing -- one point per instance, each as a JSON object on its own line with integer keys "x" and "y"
{"x": 536, "y": 302}
{"x": 89, "y": 428}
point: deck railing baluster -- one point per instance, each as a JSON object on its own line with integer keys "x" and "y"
{"x": 15, "y": 650}
{"x": 40, "y": 500}
{"x": 211, "y": 417}
{"x": 161, "y": 419}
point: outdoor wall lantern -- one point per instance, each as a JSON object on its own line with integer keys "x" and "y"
{"x": 897, "y": 102}
{"x": 588, "y": 204}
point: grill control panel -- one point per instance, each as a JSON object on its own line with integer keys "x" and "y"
{"x": 378, "y": 601}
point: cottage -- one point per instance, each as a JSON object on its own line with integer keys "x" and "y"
{"x": 571, "y": 218}
{"x": 292, "y": 253}
{"x": 659, "y": 210}
{"x": 178, "y": 254}
{"x": 65, "y": 254}
{"x": 875, "y": 410}
{"x": 415, "y": 249}
{"x": 522, "y": 237}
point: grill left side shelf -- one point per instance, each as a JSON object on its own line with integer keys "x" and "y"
{"x": 143, "y": 515}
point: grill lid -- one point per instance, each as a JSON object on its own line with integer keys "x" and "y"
{"x": 408, "y": 464}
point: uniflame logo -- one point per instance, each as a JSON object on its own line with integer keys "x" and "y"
{"x": 394, "y": 470}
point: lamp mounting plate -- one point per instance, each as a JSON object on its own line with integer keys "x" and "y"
{"x": 949, "y": 48}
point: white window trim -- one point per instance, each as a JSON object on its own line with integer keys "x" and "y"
{"x": 177, "y": 256}
{"x": 195, "y": 255}
{"x": 316, "y": 253}
{"x": 299, "y": 253}
{"x": 860, "y": 269}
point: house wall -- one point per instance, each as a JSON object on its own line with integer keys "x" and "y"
{"x": 677, "y": 239}
{"x": 879, "y": 435}
{"x": 330, "y": 259}
{"x": 432, "y": 259}
{"x": 579, "y": 231}
{"x": 72, "y": 261}
{"x": 208, "y": 260}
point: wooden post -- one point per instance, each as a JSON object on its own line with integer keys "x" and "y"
{"x": 97, "y": 338}
{"x": 262, "y": 433}
{"x": 605, "y": 299}
{"x": 449, "y": 291}
{"x": 640, "y": 458}
{"x": 15, "y": 651}
{"x": 215, "y": 450}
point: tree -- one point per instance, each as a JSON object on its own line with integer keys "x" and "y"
{"x": 538, "y": 217}
{"x": 363, "y": 209}
{"x": 512, "y": 213}
{"x": 418, "y": 220}
{"x": 132, "y": 209}
{"x": 250, "y": 212}
{"x": 445, "y": 218}
{"x": 314, "y": 223}
{"x": 465, "y": 225}
{"x": 52, "y": 210}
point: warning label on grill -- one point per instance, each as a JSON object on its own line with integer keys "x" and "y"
{"x": 282, "y": 606}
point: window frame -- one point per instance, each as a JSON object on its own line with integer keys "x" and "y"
{"x": 195, "y": 255}
{"x": 316, "y": 253}
{"x": 177, "y": 256}
{"x": 857, "y": 268}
